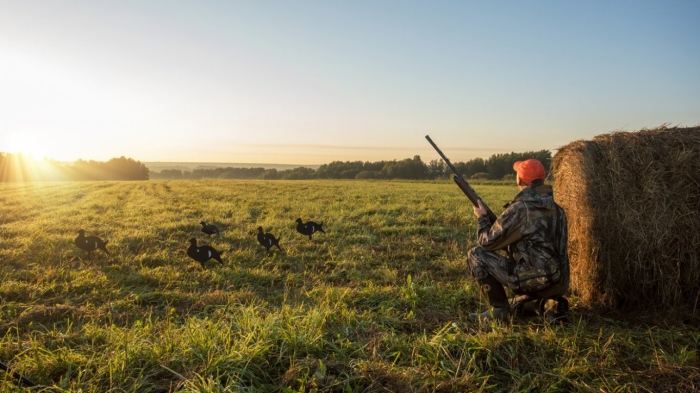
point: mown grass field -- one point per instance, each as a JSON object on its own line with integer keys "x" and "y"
{"x": 377, "y": 304}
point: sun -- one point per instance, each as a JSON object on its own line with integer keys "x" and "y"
{"x": 29, "y": 158}
{"x": 26, "y": 144}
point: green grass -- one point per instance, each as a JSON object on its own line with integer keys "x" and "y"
{"x": 377, "y": 304}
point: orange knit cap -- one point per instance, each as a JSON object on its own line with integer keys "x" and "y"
{"x": 529, "y": 170}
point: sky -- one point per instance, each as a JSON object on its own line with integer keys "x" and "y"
{"x": 311, "y": 82}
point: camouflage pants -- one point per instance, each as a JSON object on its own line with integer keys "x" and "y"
{"x": 483, "y": 263}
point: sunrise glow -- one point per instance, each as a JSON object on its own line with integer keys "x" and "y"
{"x": 315, "y": 82}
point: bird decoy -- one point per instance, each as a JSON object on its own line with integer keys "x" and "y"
{"x": 268, "y": 240}
{"x": 203, "y": 253}
{"x": 209, "y": 229}
{"x": 90, "y": 243}
{"x": 309, "y": 227}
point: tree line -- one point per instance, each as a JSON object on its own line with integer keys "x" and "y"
{"x": 496, "y": 167}
{"x": 19, "y": 167}
{"x": 16, "y": 167}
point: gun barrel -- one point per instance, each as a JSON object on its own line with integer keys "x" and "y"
{"x": 444, "y": 158}
{"x": 461, "y": 183}
{"x": 22, "y": 380}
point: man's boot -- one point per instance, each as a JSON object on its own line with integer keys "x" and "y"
{"x": 525, "y": 305}
{"x": 555, "y": 310}
{"x": 552, "y": 309}
{"x": 498, "y": 300}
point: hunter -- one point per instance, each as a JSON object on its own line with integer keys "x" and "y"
{"x": 532, "y": 230}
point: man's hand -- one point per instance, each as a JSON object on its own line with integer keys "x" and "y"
{"x": 480, "y": 210}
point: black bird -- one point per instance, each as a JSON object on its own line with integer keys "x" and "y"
{"x": 268, "y": 240}
{"x": 209, "y": 229}
{"x": 90, "y": 243}
{"x": 309, "y": 227}
{"x": 203, "y": 253}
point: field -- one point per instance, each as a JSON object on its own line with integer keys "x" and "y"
{"x": 190, "y": 166}
{"x": 377, "y": 304}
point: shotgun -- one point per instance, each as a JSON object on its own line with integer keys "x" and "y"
{"x": 20, "y": 379}
{"x": 462, "y": 184}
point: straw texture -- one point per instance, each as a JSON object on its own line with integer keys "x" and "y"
{"x": 632, "y": 200}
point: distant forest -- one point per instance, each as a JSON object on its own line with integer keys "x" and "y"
{"x": 497, "y": 167}
{"x": 18, "y": 167}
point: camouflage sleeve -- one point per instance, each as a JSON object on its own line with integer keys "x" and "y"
{"x": 563, "y": 238}
{"x": 502, "y": 233}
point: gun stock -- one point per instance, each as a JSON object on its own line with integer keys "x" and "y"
{"x": 462, "y": 183}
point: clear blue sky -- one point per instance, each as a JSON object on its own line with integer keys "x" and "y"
{"x": 310, "y": 82}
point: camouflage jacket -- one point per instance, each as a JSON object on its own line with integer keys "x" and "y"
{"x": 533, "y": 230}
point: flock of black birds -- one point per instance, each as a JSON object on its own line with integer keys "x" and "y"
{"x": 203, "y": 253}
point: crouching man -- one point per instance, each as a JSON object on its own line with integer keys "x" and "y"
{"x": 533, "y": 231}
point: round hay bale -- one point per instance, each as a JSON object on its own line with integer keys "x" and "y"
{"x": 633, "y": 205}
